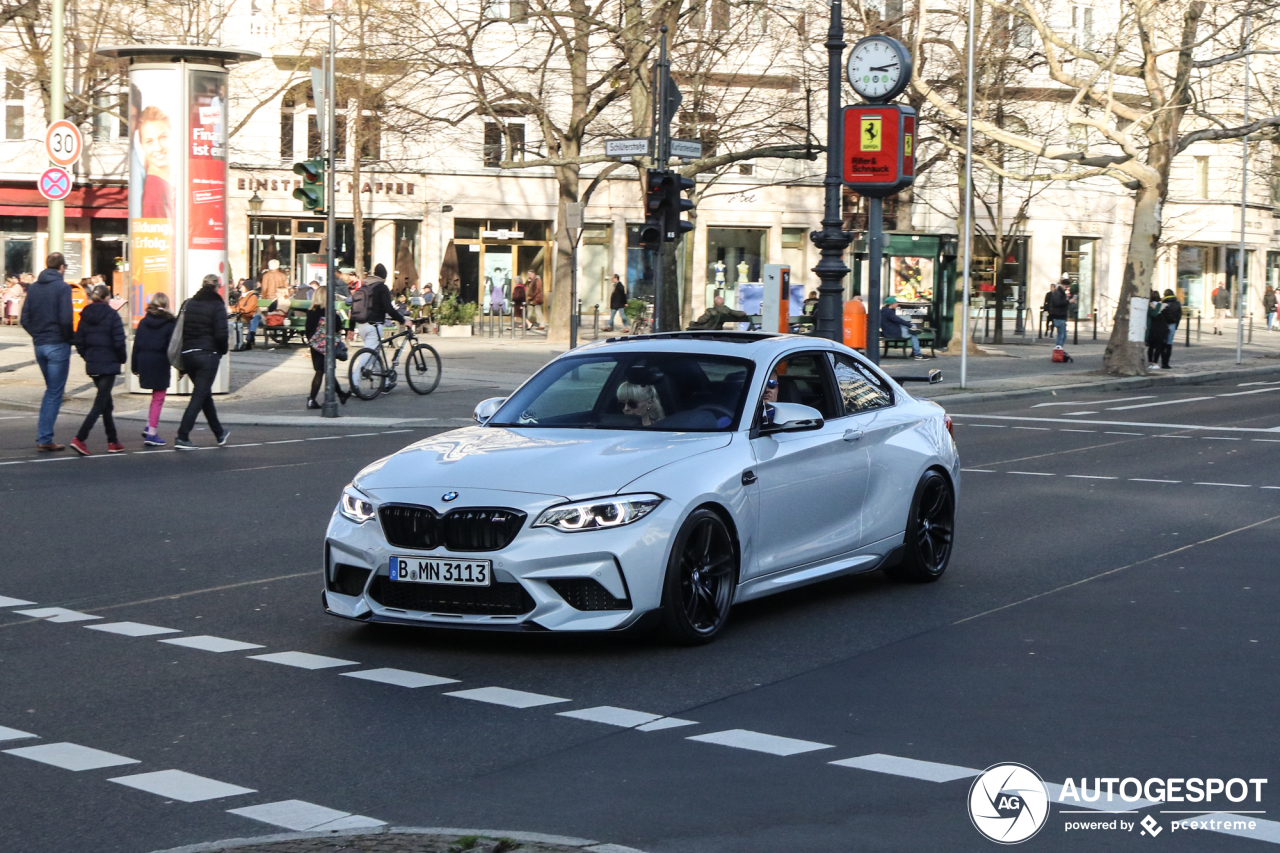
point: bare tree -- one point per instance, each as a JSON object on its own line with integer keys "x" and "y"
{"x": 1144, "y": 89}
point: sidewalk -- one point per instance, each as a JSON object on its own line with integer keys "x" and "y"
{"x": 269, "y": 387}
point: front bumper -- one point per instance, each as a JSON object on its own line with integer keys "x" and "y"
{"x": 629, "y": 563}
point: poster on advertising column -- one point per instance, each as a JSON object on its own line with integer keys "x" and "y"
{"x": 207, "y": 179}
{"x": 155, "y": 112}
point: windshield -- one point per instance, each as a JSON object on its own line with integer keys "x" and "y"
{"x": 667, "y": 392}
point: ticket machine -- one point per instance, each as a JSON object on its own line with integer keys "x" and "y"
{"x": 775, "y": 312}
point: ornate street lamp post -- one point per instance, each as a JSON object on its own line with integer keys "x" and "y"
{"x": 832, "y": 240}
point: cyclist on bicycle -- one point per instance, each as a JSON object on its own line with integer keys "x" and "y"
{"x": 371, "y": 309}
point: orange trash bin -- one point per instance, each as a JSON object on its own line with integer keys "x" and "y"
{"x": 855, "y": 324}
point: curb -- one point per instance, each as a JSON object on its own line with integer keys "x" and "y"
{"x": 1107, "y": 385}
{"x": 530, "y": 837}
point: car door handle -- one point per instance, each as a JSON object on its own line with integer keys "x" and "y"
{"x": 748, "y": 477}
{"x": 853, "y": 434}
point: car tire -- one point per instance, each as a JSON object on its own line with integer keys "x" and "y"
{"x": 930, "y": 531}
{"x": 702, "y": 573}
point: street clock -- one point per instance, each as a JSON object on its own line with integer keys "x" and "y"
{"x": 879, "y": 68}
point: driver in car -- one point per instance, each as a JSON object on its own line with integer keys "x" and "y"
{"x": 641, "y": 401}
{"x": 770, "y": 395}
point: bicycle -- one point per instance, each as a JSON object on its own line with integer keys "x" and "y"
{"x": 369, "y": 375}
{"x": 643, "y": 323}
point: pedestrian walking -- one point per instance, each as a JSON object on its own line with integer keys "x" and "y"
{"x": 1059, "y": 304}
{"x": 47, "y": 317}
{"x": 318, "y": 341}
{"x": 1172, "y": 314}
{"x": 204, "y": 343}
{"x": 100, "y": 341}
{"x": 151, "y": 361}
{"x": 1269, "y": 306}
{"x": 1157, "y": 330}
{"x": 1221, "y": 307}
{"x": 617, "y": 305}
{"x": 534, "y": 297}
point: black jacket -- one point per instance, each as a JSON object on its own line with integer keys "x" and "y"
{"x": 205, "y": 326}
{"x": 893, "y": 326}
{"x": 151, "y": 351}
{"x": 100, "y": 339}
{"x": 1157, "y": 326}
{"x": 1172, "y": 311}
{"x": 381, "y": 308}
{"x": 46, "y": 311}
{"x": 1059, "y": 304}
{"x": 618, "y": 299}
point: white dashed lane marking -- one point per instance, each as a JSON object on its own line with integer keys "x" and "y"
{"x": 1160, "y": 403}
{"x": 612, "y": 716}
{"x": 929, "y": 771}
{"x": 1091, "y": 477}
{"x": 7, "y": 733}
{"x": 132, "y": 629}
{"x": 71, "y": 756}
{"x": 302, "y": 816}
{"x": 1031, "y": 473}
{"x": 760, "y": 742}
{"x": 304, "y": 660}
{"x": 6, "y": 601}
{"x": 57, "y": 614}
{"x": 182, "y": 786}
{"x": 400, "y": 677}
{"x": 1112, "y": 424}
{"x": 505, "y": 696}
{"x": 665, "y": 723}
{"x": 212, "y": 644}
{"x": 1230, "y": 485}
{"x": 1145, "y": 480}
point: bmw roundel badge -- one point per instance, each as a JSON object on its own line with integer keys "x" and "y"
{"x": 449, "y": 496}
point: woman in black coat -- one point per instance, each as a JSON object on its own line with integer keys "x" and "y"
{"x": 151, "y": 361}
{"x": 204, "y": 343}
{"x": 100, "y": 341}
{"x": 1157, "y": 331}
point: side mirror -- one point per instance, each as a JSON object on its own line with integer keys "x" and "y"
{"x": 792, "y": 417}
{"x": 488, "y": 408}
{"x": 935, "y": 376}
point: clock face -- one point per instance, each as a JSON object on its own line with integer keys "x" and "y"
{"x": 878, "y": 69}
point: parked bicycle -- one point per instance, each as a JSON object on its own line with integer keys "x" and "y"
{"x": 369, "y": 374}
{"x": 643, "y": 323}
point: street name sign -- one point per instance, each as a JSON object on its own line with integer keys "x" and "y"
{"x": 686, "y": 149}
{"x": 626, "y": 148}
{"x": 55, "y": 183}
{"x": 63, "y": 144}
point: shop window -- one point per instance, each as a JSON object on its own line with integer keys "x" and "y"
{"x": 735, "y": 256}
{"x": 1079, "y": 259}
{"x": 14, "y": 107}
{"x": 533, "y": 230}
{"x": 467, "y": 229}
{"x": 1197, "y": 266}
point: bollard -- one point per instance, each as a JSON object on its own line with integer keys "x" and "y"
{"x": 1199, "y": 317}
{"x": 1250, "y": 327}
{"x": 1075, "y": 332}
{"x": 595, "y": 323}
{"x": 1188, "y": 343}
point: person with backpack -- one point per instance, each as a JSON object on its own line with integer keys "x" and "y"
{"x": 151, "y": 361}
{"x": 318, "y": 341}
{"x": 204, "y": 343}
{"x": 1171, "y": 312}
{"x": 371, "y": 309}
{"x": 99, "y": 339}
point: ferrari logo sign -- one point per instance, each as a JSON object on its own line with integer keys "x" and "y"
{"x": 871, "y": 134}
{"x": 906, "y": 145}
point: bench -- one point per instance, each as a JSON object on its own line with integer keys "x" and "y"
{"x": 926, "y": 336}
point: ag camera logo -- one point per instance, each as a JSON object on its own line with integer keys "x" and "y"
{"x": 1008, "y": 803}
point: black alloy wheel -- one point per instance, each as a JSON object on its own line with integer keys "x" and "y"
{"x": 702, "y": 571}
{"x": 930, "y": 531}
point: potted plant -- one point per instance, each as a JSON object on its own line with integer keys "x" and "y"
{"x": 454, "y": 318}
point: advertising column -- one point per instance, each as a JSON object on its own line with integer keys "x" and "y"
{"x": 207, "y": 179}
{"x": 155, "y": 170}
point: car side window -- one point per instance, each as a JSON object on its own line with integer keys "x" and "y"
{"x": 802, "y": 378}
{"x": 861, "y": 389}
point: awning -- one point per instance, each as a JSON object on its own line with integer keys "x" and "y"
{"x": 85, "y": 201}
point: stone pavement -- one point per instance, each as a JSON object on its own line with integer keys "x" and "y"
{"x": 269, "y": 387}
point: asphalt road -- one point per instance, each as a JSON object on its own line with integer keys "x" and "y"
{"x": 1109, "y": 613}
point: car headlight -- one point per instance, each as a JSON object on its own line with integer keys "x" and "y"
{"x": 355, "y": 506}
{"x": 598, "y": 514}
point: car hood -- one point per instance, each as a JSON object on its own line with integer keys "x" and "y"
{"x": 570, "y": 463}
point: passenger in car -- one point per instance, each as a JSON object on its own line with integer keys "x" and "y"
{"x": 641, "y": 401}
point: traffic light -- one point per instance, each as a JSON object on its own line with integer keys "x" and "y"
{"x": 311, "y": 193}
{"x": 677, "y": 204}
{"x": 657, "y": 200}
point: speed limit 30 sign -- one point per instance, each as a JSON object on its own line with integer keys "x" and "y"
{"x": 63, "y": 144}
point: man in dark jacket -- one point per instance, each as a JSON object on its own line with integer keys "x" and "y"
{"x": 717, "y": 315}
{"x": 1171, "y": 313}
{"x": 204, "y": 343}
{"x": 373, "y": 298}
{"x": 1059, "y": 301}
{"x": 893, "y": 326}
{"x": 46, "y": 315}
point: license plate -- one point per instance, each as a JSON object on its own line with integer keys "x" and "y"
{"x": 451, "y": 572}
